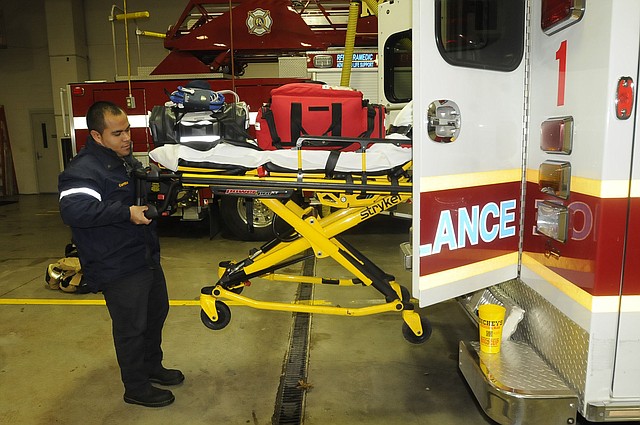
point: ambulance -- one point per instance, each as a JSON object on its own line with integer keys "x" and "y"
{"x": 526, "y": 193}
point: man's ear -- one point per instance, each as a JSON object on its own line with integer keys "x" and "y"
{"x": 96, "y": 136}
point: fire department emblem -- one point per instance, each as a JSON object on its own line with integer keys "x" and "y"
{"x": 259, "y": 22}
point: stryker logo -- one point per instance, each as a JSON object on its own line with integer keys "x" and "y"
{"x": 472, "y": 225}
{"x": 383, "y": 205}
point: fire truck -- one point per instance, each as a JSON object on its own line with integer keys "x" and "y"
{"x": 525, "y": 194}
{"x": 305, "y": 39}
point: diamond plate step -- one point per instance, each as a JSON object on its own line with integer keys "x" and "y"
{"x": 516, "y": 386}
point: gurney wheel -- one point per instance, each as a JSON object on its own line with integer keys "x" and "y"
{"x": 224, "y": 317}
{"x": 408, "y": 334}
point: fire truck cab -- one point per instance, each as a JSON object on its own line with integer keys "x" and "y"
{"x": 526, "y": 171}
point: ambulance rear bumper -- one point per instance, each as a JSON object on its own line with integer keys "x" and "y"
{"x": 516, "y": 386}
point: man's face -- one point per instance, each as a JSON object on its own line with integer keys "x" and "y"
{"x": 116, "y": 135}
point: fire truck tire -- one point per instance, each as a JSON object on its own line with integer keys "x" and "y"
{"x": 408, "y": 334}
{"x": 224, "y": 317}
{"x": 234, "y": 214}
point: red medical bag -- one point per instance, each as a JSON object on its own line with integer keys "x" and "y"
{"x": 298, "y": 109}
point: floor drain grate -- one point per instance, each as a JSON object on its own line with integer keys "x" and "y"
{"x": 290, "y": 398}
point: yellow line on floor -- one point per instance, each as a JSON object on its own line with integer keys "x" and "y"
{"x": 52, "y": 301}
{"x": 45, "y": 301}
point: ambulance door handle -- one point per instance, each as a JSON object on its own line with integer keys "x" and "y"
{"x": 443, "y": 121}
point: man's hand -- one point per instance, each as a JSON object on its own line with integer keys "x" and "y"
{"x": 137, "y": 214}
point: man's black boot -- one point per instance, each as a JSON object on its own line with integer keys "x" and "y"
{"x": 149, "y": 396}
{"x": 164, "y": 376}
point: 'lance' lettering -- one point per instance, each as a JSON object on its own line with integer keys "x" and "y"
{"x": 474, "y": 223}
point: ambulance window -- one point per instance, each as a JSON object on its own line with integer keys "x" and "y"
{"x": 487, "y": 34}
{"x": 397, "y": 67}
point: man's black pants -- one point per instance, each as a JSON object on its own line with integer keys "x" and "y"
{"x": 138, "y": 306}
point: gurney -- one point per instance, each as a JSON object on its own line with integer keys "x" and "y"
{"x": 356, "y": 186}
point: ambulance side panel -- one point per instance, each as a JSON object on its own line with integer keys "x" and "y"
{"x": 585, "y": 274}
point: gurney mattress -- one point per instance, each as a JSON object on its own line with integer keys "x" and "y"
{"x": 379, "y": 157}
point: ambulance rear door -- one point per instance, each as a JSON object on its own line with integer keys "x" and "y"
{"x": 468, "y": 94}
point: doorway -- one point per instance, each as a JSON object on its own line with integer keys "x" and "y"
{"x": 45, "y": 143}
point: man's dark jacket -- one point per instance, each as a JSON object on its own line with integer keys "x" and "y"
{"x": 96, "y": 191}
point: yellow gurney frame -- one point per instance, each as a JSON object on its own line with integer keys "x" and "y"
{"x": 354, "y": 198}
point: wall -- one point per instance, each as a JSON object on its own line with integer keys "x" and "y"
{"x": 25, "y": 81}
{"x": 100, "y": 41}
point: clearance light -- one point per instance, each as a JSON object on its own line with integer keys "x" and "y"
{"x": 552, "y": 220}
{"x": 554, "y": 178}
{"x": 624, "y": 98}
{"x": 556, "y": 135}
{"x": 77, "y": 91}
{"x": 322, "y": 61}
{"x": 559, "y": 14}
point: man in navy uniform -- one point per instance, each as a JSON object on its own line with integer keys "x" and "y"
{"x": 119, "y": 252}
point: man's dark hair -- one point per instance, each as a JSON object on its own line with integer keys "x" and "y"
{"x": 96, "y": 113}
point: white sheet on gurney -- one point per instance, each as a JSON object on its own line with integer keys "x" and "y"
{"x": 380, "y": 157}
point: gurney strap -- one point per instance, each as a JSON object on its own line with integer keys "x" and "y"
{"x": 349, "y": 181}
{"x": 295, "y": 121}
{"x": 249, "y": 210}
{"x": 267, "y": 113}
{"x": 371, "y": 115}
{"x": 332, "y": 161}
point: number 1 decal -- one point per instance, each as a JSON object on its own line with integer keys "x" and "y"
{"x": 561, "y": 57}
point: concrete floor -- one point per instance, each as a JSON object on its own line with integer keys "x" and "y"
{"x": 57, "y": 363}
